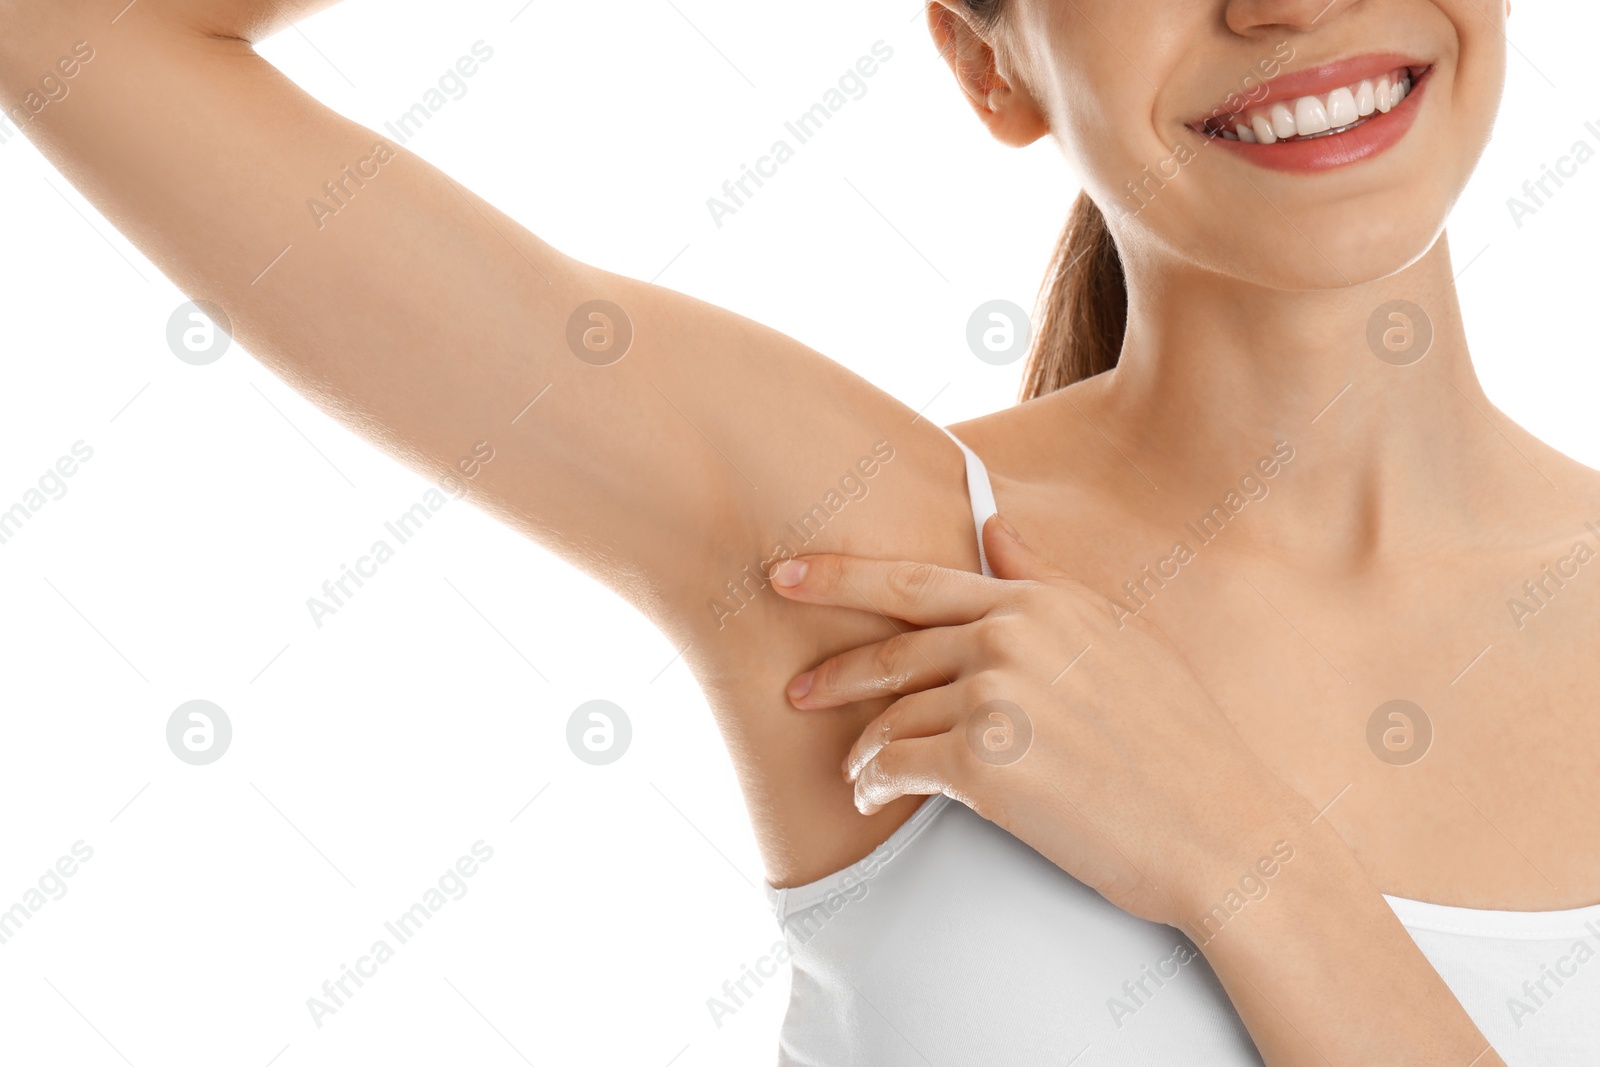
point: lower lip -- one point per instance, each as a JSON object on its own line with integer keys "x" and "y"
{"x": 1376, "y": 135}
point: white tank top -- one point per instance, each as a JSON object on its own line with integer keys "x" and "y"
{"x": 955, "y": 944}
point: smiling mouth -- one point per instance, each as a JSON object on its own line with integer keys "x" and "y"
{"x": 1305, "y": 118}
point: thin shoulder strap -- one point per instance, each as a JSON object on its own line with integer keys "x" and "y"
{"x": 981, "y": 493}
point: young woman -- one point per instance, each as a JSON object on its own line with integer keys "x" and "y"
{"x": 1277, "y": 660}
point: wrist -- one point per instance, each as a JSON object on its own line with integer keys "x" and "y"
{"x": 1279, "y": 843}
{"x": 1299, "y": 876}
{"x": 1322, "y": 970}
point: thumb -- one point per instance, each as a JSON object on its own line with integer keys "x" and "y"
{"x": 1009, "y": 557}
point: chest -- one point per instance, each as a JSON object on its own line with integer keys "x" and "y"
{"x": 1445, "y": 714}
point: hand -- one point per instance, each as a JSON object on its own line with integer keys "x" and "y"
{"x": 1022, "y": 697}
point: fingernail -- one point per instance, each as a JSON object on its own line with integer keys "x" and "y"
{"x": 1010, "y": 530}
{"x": 790, "y": 572}
{"x": 800, "y": 686}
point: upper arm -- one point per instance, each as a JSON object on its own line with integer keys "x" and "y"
{"x": 421, "y": 316}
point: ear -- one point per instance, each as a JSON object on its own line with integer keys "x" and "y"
{"x": 999, "y": 98}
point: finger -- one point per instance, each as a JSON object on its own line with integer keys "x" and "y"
{"x": 919, "y": 593}
{"x": 926, "y": 714}
{"x": 920, "y": 766}
{"x": 1010, "y": 559}
{"x": 908, "y": 662}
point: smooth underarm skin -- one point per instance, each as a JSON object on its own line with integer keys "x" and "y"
{"x": 427, "y": 320}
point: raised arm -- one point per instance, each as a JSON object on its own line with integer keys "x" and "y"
{"x": 416, "y": 312}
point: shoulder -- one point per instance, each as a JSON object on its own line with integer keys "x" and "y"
{"x": 1037, "y": 439}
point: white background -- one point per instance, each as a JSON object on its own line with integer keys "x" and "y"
{"x": 425, "y": 715}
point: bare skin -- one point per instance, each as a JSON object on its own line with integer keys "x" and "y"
{"x": 1378, "y": 567}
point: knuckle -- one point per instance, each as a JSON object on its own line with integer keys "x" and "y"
{"x": 830, "y": 677}
{"x": 996, "y": 637}
{"x": 911, "y": 581}
{"x": 1040, "y": 601}
{"x": 889, "y": 654}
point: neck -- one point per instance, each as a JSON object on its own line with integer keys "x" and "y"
{"x": 1390, "y": 460}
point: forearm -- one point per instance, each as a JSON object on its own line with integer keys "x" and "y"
{"x": 1320, "y": 968}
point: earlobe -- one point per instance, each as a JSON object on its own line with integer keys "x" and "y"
{"x": 1013, "y": 118}
{"x": 1007, "y": 110}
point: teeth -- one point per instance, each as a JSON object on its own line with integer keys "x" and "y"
{"x": 1341, "y": 107}
{"x": 1366, "y": 99}
{"x": 1310, "y": 116}
{"x": 1317, "y": 116}
{"x": 1282, "y": 121}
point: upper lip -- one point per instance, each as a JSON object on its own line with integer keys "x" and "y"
{"x": 1315, "y": 81}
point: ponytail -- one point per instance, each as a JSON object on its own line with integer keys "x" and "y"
{"x": 1082, "y": 310}
{"x": 1081, "y": 315}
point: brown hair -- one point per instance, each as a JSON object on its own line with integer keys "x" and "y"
{"x": 1081, "y": 313}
